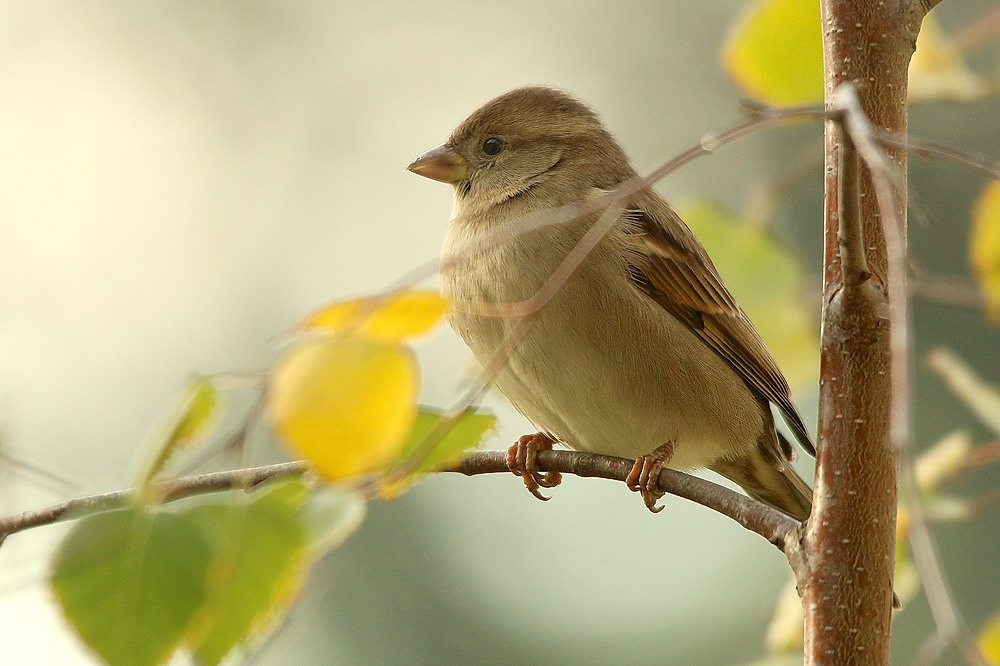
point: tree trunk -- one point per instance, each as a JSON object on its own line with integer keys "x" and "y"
{"x": 849, "y": 540}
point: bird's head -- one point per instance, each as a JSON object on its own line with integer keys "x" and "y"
{"x": 533, "y": 141}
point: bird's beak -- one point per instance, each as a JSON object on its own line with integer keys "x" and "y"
{"x": 441, "y": 163}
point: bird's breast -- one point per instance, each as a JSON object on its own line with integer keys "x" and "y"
{"x": 599, "y": 366}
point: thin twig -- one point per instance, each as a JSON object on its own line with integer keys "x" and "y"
{"x": 950, "y": 291}
{"x": 977, "y": 162}
{"x": 165, "y": 491}
{"x": 850, "y": 230}
{"x": 986, "y": 454}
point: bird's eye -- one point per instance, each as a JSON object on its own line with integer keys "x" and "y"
{"x": 492, "y": 146}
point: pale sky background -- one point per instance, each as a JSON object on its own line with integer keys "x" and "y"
{"x": 182, "y": 181}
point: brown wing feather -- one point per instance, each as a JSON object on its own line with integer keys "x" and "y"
{"x": 678, "y": 274}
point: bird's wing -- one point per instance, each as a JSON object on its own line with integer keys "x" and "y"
{"x": 674, "y": 270}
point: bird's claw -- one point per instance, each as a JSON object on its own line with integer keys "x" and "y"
{"x": 521, "y": 460}
{"x": 644, "y": 477}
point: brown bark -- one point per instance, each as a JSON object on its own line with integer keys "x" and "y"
{"x": 849, "y": 539}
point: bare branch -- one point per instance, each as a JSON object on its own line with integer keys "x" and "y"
{"x": 774, "y": 526}
{"x": 166, "y": 491}
{"x": 769, "y": 523}
{"x": 850, "y": 230}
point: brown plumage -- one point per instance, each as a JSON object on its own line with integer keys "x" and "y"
{"x": 643, "y": 353}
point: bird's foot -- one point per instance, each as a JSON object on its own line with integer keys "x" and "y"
{"x": 521, "y": 461}
{"x": 644, "y": 477}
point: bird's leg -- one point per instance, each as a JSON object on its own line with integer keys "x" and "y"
{"x": 521, "y": 461}
{"x": 645, "y": 475}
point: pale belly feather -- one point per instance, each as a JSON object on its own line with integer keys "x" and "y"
{"x": 603, "y": 367}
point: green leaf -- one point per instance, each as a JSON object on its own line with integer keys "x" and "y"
{"x": 255, "y": 569}
{"x": 767, "y": 281}
{"x": 436, "y": 442}
{"x": 183, "y": 424}
{"x": 447, "y": 437}
{"x": 263, "y": 547}
{"x": 775, "y": 52}
{"x": 130, "y": 582}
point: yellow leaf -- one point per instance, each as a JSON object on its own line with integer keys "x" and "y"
{"x": 937, "y": 71}
{"x": 392, "y": 318}
{"x": 775, "y": 52}
{"x": 989, "y": 639}
{"x": 345, "y": 404}
{"x": 984, "y": 246}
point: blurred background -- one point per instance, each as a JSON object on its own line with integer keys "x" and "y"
{"x": 181, "y": 182}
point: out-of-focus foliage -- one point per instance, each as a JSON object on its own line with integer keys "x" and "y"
{"x": 184, "y": 424}
{"x": 139, "y": 583}
{"x": 344, "y": 395}
{"x": 982, "y": 398}
{"x": 393, "y": 319}
{"x": 989, "y": 639}
{"x": 784, "y": 633}
{"x": 775, "y": 55}
{"x": 130, "y": 582}
{"x": 262, "y": 549}
{"x": 436, "y": 441}
{"x": 984, "y": 246}
{"x": 938, "y": 72}
{"x": 775, "y": 52}
{"x": 345, "y": 404}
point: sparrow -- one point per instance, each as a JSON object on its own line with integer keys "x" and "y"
{"x": 641, "y": 352}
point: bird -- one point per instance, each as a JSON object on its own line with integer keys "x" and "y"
{"x": 640, "y": 351}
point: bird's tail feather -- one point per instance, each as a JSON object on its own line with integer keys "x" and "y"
{"x": 769, "y": 479}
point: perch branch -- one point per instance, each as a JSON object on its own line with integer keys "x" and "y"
{"x": 769, "y": 523}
